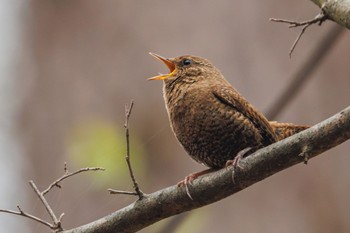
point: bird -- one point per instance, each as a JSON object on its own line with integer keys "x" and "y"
{"x": 212, "y": 121}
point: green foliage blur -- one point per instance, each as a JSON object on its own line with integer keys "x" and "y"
{"x": 100, "y": 143}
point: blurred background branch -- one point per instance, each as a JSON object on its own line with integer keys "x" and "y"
{"x": 303, "y": 74}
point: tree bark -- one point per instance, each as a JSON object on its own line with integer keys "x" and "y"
{"x": 336, "y": 10}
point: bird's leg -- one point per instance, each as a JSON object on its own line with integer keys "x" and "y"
{"x": 235, "y": 162}
{"x": 188, "y": 179}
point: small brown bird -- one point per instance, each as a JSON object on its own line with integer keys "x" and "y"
{"x": 210, "y": 119}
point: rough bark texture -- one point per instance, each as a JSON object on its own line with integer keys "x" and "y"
{"x": 337, "y": 10}
{"x": 216, "y": 186}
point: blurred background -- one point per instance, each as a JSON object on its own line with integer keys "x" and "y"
{"x": 69, "y": 67}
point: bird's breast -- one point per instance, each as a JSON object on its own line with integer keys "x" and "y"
{"x": 210, "y": 131}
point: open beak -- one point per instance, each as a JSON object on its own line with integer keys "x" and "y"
{"x": 168, "y": 63}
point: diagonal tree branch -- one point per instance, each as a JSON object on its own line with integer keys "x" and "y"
{"x": 256, "y": 167}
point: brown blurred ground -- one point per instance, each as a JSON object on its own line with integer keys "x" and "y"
{"x": 82, "y": 61}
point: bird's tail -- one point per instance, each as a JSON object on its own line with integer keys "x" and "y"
{"x": 284, "y": 130}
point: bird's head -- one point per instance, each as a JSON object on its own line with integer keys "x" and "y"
{"x": 188, "y": 68}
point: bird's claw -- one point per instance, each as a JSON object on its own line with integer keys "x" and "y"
{"x": 186, "y": 182}
{"x": 235, "y": 162}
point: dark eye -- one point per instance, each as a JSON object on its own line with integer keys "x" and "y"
{"x": 186, "y": 62}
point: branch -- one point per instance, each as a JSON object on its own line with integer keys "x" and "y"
{"x": 57, "y": 222}
{"x": 126, "y": 126}
{"x": 319, "y": 19}
{"x": 335, "y": 10}
{"x": 67, "y": 175}
{"x": 48, "y": 208}
{"x": 137, "y": 192}
{"x": 20, "y": 212}
{"x": 256, "y": 167}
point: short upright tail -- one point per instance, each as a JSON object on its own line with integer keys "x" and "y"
{"x": 284, "y": 130}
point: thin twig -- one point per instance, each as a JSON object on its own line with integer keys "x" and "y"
{"x": 60, "y": 218}
{"x": 137, "y": 192}
{"x": 114, "y": 191}
{"x": 45, "y": 203}
{"x": 57, "y": 222}
{"x": 297, "y": 40}
{"x": 67, "y": 175}
{"x": 320, "y": 18}
{"x": 126, "y": 126}
{"x": 24, "y": 214}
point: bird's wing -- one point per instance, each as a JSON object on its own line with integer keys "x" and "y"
{"x": 229, "y": 96}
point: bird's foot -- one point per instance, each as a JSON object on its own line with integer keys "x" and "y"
{"x": 188, "y": 180}
{"x": 235, "y": 162}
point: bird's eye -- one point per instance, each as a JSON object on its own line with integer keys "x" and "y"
{"x": 186, "y": 62}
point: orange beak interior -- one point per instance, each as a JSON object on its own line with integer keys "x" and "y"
{"x": 168, "y": 63}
